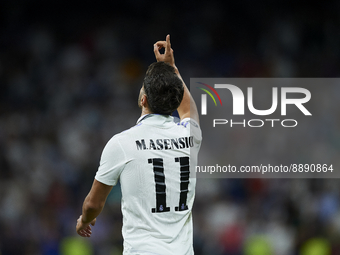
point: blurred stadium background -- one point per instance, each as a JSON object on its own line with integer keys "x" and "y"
{"x": 70, "y": 75}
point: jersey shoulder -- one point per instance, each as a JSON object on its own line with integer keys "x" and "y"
{"x": 141, "y": 128}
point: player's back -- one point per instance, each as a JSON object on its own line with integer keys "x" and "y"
{"x": 157, "y": 191}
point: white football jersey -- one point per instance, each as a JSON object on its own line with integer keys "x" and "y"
{"x": 153, "y": 161}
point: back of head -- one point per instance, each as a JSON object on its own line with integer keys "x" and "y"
{"x": 163, "y": 88}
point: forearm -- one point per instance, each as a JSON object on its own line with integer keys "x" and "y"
{"x": 91, "y": 210}
{"x": 188, "y": 106}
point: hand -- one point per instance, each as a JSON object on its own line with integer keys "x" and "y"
{"x": 168, "y": 56}
{"x": 84, "y": 229}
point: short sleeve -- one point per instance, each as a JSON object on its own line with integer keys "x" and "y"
{"x": 112, "y": 163}
{"x": 194, "y": 129}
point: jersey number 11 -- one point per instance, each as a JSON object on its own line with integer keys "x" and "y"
{"x": 160, "y": 187}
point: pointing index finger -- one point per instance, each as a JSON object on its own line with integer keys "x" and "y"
{"x": 168, "y": 44}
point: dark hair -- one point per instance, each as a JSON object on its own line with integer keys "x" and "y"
{"x": 163, "y": 88}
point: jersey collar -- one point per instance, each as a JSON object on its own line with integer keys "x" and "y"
{"x": 142, "y": 117}
{"x": 164, "y": 118}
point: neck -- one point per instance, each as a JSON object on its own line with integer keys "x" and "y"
{"x": 145, "y": 111}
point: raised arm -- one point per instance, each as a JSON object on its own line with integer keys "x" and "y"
{"x": 187, "y": 108}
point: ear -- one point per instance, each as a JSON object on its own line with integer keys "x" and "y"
{"x": 144, "y": 101}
